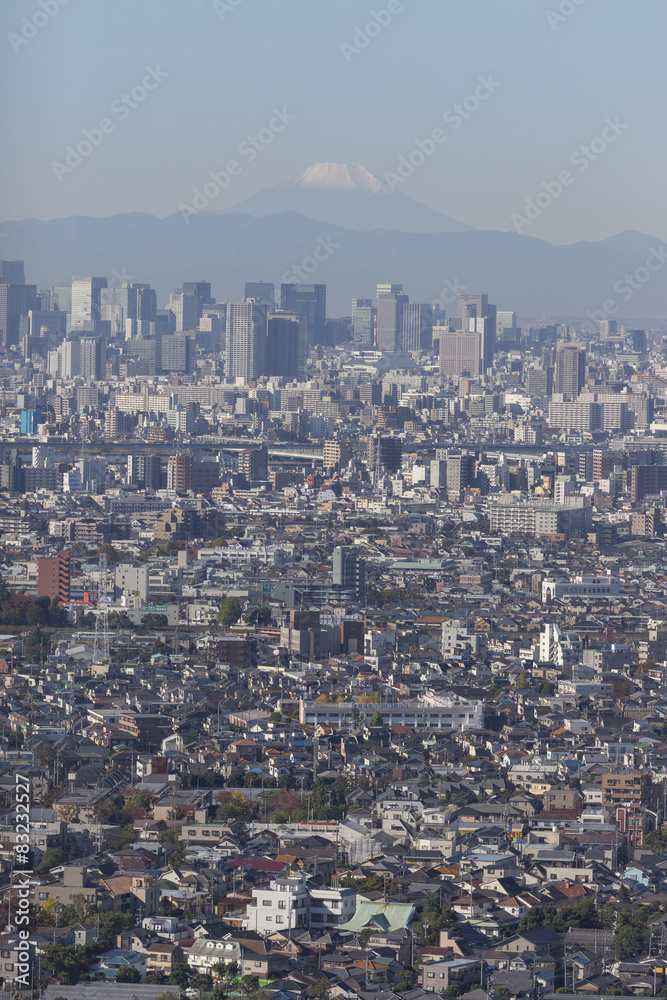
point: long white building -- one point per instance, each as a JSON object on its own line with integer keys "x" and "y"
{"x": 450, "y": 714}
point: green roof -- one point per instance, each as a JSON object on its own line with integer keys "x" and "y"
{"x": 386, "y": 917}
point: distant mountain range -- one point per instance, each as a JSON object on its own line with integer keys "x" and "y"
{"x": 531, "y": 276}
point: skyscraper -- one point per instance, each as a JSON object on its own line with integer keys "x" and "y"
{"x": 185, "y": 307}
{"x": 570, "y": 369}
{"x": 92, "y": 358}
{"x": 477, "y": 314}
{"x": 285, "y": 345}
{"x": 363, "y": 321}
{"x": 459, "y": 351}
{"x": 62, "y": 296}
{"x": 263, "y": 291}
{"x": 245, "y": 356}
{"x": 132, "y": 301}
{"x": 12, "y": 272}
{"x": 86, "y": 301}
{"x": 417, "y": 334}
{"x": 390, "y": 307}
{"x": 505, "y": 320}
{"x": 309, "y": 301}
{"x": 176, "y": 351}
{"x": 15, "y": 301}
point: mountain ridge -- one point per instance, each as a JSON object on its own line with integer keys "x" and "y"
{"x": 519, "y": 272}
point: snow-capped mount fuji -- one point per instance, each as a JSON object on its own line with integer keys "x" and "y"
{"x": 340, "y": 176}
{"x": 348, "y": 195}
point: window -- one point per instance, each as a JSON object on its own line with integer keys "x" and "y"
{"x": 269, "y": 919}
{"x": 266, "y": 902}
{"x": 5, "y": 954}
{"x": 281, "y": 904}
{"x": 431, "y": 975}
{"x": 9, "y": 966}
{"x": 279, "y": 920}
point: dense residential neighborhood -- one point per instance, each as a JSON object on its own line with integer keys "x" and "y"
{"x": 341, "y": 680}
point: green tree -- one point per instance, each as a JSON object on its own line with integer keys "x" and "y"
{"x": 180, "y": 974}
{"x": 111, "y": 925}
{"x": 154, "y": 978}
{"x": 52, "y": 857}
{"x": 128, "y": 974}
{"x": 376, "y": 719}
{"x": 522, "y": 684}
{"x": 202, "y": 981}
{"x": 154, "y": 620}
{"x": 318, "y": 991}
{"x": 230, "y": 612}
{"x": 328, "y": 798}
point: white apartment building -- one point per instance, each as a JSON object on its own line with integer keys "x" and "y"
{"x": 457, "y": 641}
{"x": 427, "y": 714}
{"x": 559, "y": 647}
{"x": 207, "y": 952}
{"x": 291, "y": 902}
{"x": 589, "y": 586}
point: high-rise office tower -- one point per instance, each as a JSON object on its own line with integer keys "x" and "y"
{"x": 363, "y": 321}
{"x": 608, "y": 328}
{"x": 201, "y": 292}
{"x": 539, "y": 381}
{"x": 389, "y": 320}
{"x": 86, "y": 301}
{"x": 459, "y": 351}
{"x": 635, "y": 340}
{"x": 349, "y": 571}
{"x": 505, "y": 320}
{"x": 570, "y": 369}
{"x": 132, "y": 301}
{"x": 15, "y": 301}
{"x": 309, "y": 301}
{"x": 176, "y": 351}
{"x": 263, "y": 291}
{"x": 387, "y": 289}
{"x": 417, "y": 334}
{"x": 185, "y": 308}
{"x": 245, "y": 356}
{"x": 285, "y": 345}
{"x": 12, "y": 272}
{"x": 92, "y": 358}
{"x": 476, "y": 313}
{"x": 62, "y": 296}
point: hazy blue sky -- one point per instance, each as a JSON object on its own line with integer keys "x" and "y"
{"x": 559, "y": 82}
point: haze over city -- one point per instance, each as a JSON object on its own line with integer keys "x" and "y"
{"x": 333, "y": 500}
